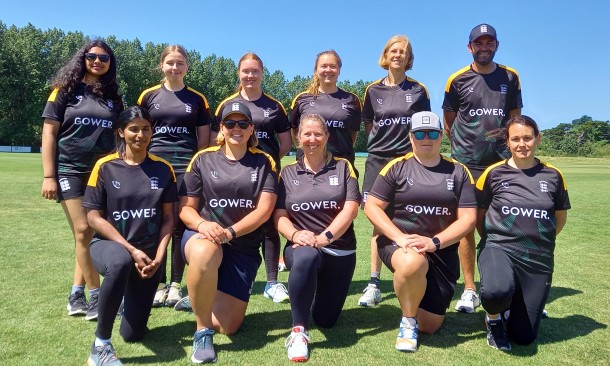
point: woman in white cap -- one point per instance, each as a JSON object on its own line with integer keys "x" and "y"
{"x": 422, "y": 204}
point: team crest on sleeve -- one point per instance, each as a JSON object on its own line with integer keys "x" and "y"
{"x": 312, "y": 103}
{"x": 503, "y": 89}
{"x": 409, "y": 98}
{"x": 116, "y": 184}
{"x": 471, "y": 90}
{"x": 410, "y": 181}
{"x": 505, "y": 185}
{"x": 64, "y": 184}
{"x": 214, "y": 174}
{"x": 333, "y": 180}
{"x": 79, "y": 98}
{"x": 450, "y": 184}
{"x": 156, "y": 106}
{"x": 154, "y": 182}
{"x": 379, "y": 100}
{"x": 544, "y": 186}
{"x": 109, "y": 104}
{"x": 188, "y": 108}
{"x": 254, "y": 176}
{"x": 343, "y": 106}
{"x": 295, "y": 182}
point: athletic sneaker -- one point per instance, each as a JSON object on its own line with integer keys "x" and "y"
{"x": 406, "y": 340}
{"x": 184, "y": 304}
{"x": 545, "y": 314}
{"x": 103, "y": 356}
{"x": 203, "y": 347}
{"x": 173, "y": 295}
{"x": 371, "y": 297}
{"x": 496, "y": 335}
{"x": 160, "y": 296}
{"x": 468, "y": 302}
{"x": 281, "y": 266}
{"x": 276, "y": 292}
{"x": 77, "y": 303}
{"x": 297, "y": 344}
{"x": 92, "y": 308}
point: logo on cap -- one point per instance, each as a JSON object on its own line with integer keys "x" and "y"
{"x": 235, "y": 107}
{"x": 484, "y": 28}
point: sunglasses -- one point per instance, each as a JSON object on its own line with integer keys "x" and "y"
{"x": 231, "y": 124}
{"x": 92, "y": 56}
{"x": 432, "y": 135}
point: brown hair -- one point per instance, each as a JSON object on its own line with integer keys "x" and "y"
{"x": 173, "y": 48}
{"x": 522, "y": 120}
{"x": 399, "y": 38}
{"x": 249, "y": 56}
{"x": 252, "y": 141}
{"x": 314, "y": 85}
{"x": 311, "y": 117}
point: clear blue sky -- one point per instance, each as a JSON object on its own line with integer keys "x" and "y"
{"x": 560, "y": 48}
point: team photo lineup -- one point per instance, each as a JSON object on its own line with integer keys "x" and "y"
{"x": 170, "y": 184}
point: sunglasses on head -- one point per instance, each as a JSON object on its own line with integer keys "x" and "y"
{"x": 231, "y": 124}
{"x": 432, "y": 135}
{"x": 92, "y": 56}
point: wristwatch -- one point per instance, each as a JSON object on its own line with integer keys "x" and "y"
{"x": 437, "y": 243}
{"x": 329, "y": 236}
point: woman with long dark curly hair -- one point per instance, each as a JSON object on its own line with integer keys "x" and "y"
{"x": 79, "y": 124}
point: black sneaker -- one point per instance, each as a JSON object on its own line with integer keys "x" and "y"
{"x": 496, "y": 335}
{"x": 203, "y": 347}
{"x": 103, "y": 356}
{"x": 92, "y": 308}
{"x": 77, "y": 304}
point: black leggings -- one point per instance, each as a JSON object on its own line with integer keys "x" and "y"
{"x": 271, "y": 249}
{"x": 318, "y": 282}
{"x": 177, "y": 263}
{"x": 508, "y": 285}
{"x": 121, "y": 280}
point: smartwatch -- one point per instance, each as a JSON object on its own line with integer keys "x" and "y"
{"x": 329, "y": 236}
{"x": 437, "y": 243}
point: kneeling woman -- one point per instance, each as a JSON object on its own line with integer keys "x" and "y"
{"x": 229, "y": 191}
{"x": 422, "y": 204}
{"x": 318, "y": 201}
{"x": 516, "y": 249}
{"x": 129, "y": 197}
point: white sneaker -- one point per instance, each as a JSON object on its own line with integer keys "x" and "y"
{"x": 297, "y": 345}
{"x": 281, "y": 266}
{"x": 468, "y": 302}
{"x": 276, "y": 292}
{"x": 371, "y": 297}
{"x": 406, "y": 340}
{"x": 174, "y": 294}
{"x": 160, "y": 296}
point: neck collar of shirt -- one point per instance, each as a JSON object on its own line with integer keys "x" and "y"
{"x": 330, "y": 165}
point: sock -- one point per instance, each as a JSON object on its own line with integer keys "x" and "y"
{"x": 408, "y": 320}
{"x": 94, "y": 292}
{"x": 101, "y": 342}
{"x": 375, "y": 278}
{"x": 76, "y": 288}
{"x": 499, "y": 318}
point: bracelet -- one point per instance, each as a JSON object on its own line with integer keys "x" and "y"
{"x": 292, "y": 236}
{"x": 197, "y": 227}
{"x": 51, "y": 177}
{"x": 233, "y": 235}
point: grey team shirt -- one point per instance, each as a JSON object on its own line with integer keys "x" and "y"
{"x": 86, "y": 131}
{"x": 342, "y": 112}
{"x": 521, "y": 205}
{"x": 176, "y": 116}
{"x": 313, "y": 201}
{"x": 389, "y": 109}
{"x": 131, "y": 197}
{"x": 229, "y": 189}
{"x": 424, "y": 200}
{"x": 482, "y": 103}
{"x": 269, "y": 118}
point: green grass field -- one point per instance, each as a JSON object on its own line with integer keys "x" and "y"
{"x": 38, "y": 258}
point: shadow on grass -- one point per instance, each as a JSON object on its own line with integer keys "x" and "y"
{"x": 559, "y": 292}
{"x": 168, "y": 343}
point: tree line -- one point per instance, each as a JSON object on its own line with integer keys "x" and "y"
{"x": 29, "y": 57}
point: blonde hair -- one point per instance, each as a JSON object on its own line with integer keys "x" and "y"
{"x": 314, "y": 85}
{"x": 252, "y": 141}
{"x": 169, "y": 49}
{"x": 399, "y": 38}
{"x": 314, "y": 117}
{"x": 249, "y": 56}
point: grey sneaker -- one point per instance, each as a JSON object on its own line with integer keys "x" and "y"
{"x": 371, "y": 297}
{"x": 103, "y": 356}
{"x": 184, "y": 304}
{"x": 77, "y": 304}
{"x": 92, "y": 308}
{"x": 160, "y": 296}
{"x": 203, "y": 347}
{"x": 173, "y": 295}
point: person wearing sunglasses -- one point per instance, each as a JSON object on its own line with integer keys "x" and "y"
{"x": 273, "y": 132}
{"x": 422, "y": 204}
{"x": 228, "y": 192}
{"x": 341, "y": 109}
{"x": 79, "y": 124}
{"x": 388, "y": 106}
{"x": 317, "y": 204}
{"x": 181, "y": 117}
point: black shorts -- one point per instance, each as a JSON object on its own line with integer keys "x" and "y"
{"x": 443, "y": 273}
{"x": 372, "y": 167}
{"x": 237, "y": 270}
{"x": 71, "y": 186}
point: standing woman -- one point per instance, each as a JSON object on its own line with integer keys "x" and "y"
{"x": 523, "y": 205}
{"x": 229, "y": 191}
{"x": 388, "y": 106}
{"x": 422, "y": 204}
{"x": 273, "y": 132}
{"x": 181, "y": 119}
{"x": 318, "y": 202}
{"x": 131, "y": 234}
{"x": 340, "y": 109}
{"x": 79, "y": 122}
